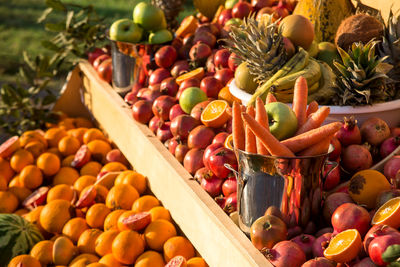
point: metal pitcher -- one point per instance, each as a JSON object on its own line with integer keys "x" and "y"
{"x": 293, "y": 185}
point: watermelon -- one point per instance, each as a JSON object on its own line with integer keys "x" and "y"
{"x": 17, "y": 236}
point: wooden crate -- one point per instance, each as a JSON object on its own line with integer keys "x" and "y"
{"x": 211, "y": 231}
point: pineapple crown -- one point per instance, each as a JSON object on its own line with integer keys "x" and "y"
{"x": 390, "y": 45}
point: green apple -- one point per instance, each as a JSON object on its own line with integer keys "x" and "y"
{"x": 149, "y": 17}
{"x": 190, "y": 97}
{"x": 282, "y": 120}
{"x": 230, "y": 3}
{"x": 160, "y": 37}
{"x": 125, "y": 30}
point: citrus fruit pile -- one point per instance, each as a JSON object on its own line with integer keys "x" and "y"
{"x": 68, "y": 198}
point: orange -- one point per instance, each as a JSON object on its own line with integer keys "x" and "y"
{"x": 68, "y": 145}
{"x": 9, "y": 146}
{"x": 66, "y": 175}
{"x": 158, "y": 232}
{"x": 74, "y": 228}
{"x": 388, "y": 213}
{"x": 121, "y": 197}
{"x": 63, "y": 250}
{"x": 96, "y": 215}
{"x": 145, "y": 203}
{"x": 225, "y": 94}
{"x": 78, "y": 133}
{"x": 67, "y": 124}
{"x": 21, "y": 212}
{"x": 15, "y": 181}
{"x": 127, "y": 246}
{"x": 55, "y": 151}
{"x": 178, "y": 246}
{"x": 197, "y": 262}
{"x": 48, "y": 163}
{"x": 83, "y": 182}
{"x": 93, "y": 134}
{"x": 87, "y": 241}
{"x": 30, "y": 136}
{"x": 344, "y": 247}
{"x": 91, "y": 168}
{"x": 20, "y": 159}
{"x": 61, "y": 191}
{"x": 150, "y": 258}
{"x": 83, "y": 260}
{"x": 104, "y": 242}
{"x": 229, "y": 142}
{"x": 111, "y": 221}
{"x": 99, "y": 149}
{"x": 114, "y": 167}
{"x": 3, "y": 184}
{"x": 215, "y": 114}
{"x": 54, "y": 135}
{"x": 5, "y": 169}
{"x": 124, "y": 215}
{"x": 66, "y": 162}
{"x": 55, "y": 215}
{"x": 20, "y": 192}
{"x": 81, "y": 122}
{"x": 36, "y": 148}
{"x": 8, "y": 202}
{"x": 188, "y": 25}
{"x": 110, "y": 260}
{"x": 34, "y": 217}
{"x": 97, "y": 264}
{"x": 138, "y": 181}
{"x": 30, "y": 177}
{"x": 24, "y": 260}
{"x": 43, "y": 251}
{"x": 194, "y": 74}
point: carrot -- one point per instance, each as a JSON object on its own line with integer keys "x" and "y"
{"x": 270, "y": 98}
{"x": 300, "y": 100}
{"x": 251, "y": 146}
{"x": 315, "y": 120}
{"x": 304, "y": 140}
{"x": 312, "y": 107}
{"x": 270, "y": 142}
{"x": 262, "y": 119}
{"x": 319, "y": 148}
{"x": 237, "y": 127}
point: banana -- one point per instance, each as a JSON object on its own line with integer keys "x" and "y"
{"x": 326, "y": 90}
{"x": 295, "y": 64}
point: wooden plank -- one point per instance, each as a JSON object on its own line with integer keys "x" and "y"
{"x": 211, "y": 231}
{"x": 384, "y": 6}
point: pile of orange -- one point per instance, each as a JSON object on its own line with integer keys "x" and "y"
{"x": 90, "y": 207}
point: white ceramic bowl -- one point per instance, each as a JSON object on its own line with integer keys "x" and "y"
{"x": 389, "y": 111}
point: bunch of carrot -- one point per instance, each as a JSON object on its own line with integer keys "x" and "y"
{"x": 251, "y": 128}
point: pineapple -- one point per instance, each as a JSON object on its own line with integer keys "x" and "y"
{"x": 360, "y": 79}
{"x": 171, "y": 9}
{"x": 259, "y": 44}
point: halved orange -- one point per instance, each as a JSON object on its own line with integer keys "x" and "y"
{"x": 188, "y": 25}
{"x": 225, "y": 94}
{"x": 215, "y": 114}
{"x": 344, "y": 247}
{"x": 388, "y": 213}
{"x": 194, "y": 74}
{"x": 229, "y": 142}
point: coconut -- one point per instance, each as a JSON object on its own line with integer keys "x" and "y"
{"x": 358, "y": 28}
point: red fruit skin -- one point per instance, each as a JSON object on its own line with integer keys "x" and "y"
{"x": 231, "y": 203}
{"x": 220, "y": 157}
{"x": 130, "y": 98}
{"x": 193, "y": 160}
{"x": 212, "y": 186}
{"x": 155, "y": 87}
{"x": 258, "y": 4}
{"x": 395, "y": 131}
{"x": 351, "y": 216}
{"x": 221, "y": 58}
{"x": 148, "y": 94}
{"x": 200, "y": 137}
{"x": 224, "y": 75}
{"x": 179, "y": 68}
{"x": 324, "y": 231}
{"x": 165, "y": 56}
{"x": 356, "y": 158}
{"x": 333, "y": 178}
{"x": 158, "y": 75}
{"x": 320, "y": 244}
{"x": 379, "y": 244}
{"x": 141, "y": 111}
{"x": 175, "y": 111}
{"x": 180, "y": 152}
{"x": 376, "y": 231}
{"x": 220, "y": 138}
{"x": 36, "y": 198}
{"x": 203, "y": 173}
{"x": 332, "y": 202}
{"x": 162, "y": 105}
{"x": 169, "y": 87}
{"x": 209, "y": 151}
{"x": 392, "y": 166}
{"x": 349, "y": 134}
{"x": 97, "y": 62}
{"x": 154, "y": 124}
{"x": 229, "y": 186}
{"x": 225, "y": 15}
{"x": 241, "y": 10}
{"x": 164, "y": 132}
{"x": 335, "y": 154}
{"x": 183, "y": 125}
{"x": 211, "y": 86}
{"x": 206, "y": 38}
{"x": 388, "y": 146}
{"x": 374, "y": 131}
{"x": 385, "y": 196}
{"x": 286, "y": 253}
{"x": 232, "y": 61}
{"x": 366, "y": 262}
{"x": 293, "y": 231}
{"x": 200, "y": 52}
{"x": 173, "y": 143}
{"x": 319, "y": 262}
{"x": 95, "y": 54}
{"x": 305, "y": 242}
{"x": 105, "y": 70}
{"x": 198, "y": 109}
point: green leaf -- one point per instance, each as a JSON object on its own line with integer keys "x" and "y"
{"x": 50, "y": 45}
{"x": 391, "y": 253}
{"x": 70, "y": 16}
{"x": 53, "y": 27}
{"x": 44, "y": 15}
{"x": 56, "y": 5}
{"x": 394, "y": 264}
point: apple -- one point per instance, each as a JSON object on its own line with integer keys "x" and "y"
{"x": 125, "y": 30}
{"x": 97, "y": 62}
{"x": 160, "y": 37}
{"x": 282, "y": 120}
{"x": 149, "y": 17}
{"x": 230, "y": 3}
{"x": 241, "y": 10}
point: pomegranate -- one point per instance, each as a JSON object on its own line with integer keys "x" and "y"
{"x": 350, "y": 216}
{"x": 349, "y": 134}
{"x": 212, "y": 186}
{"x": 332, "y": 202}
{"x": 162, "y": 105}
{"x": 105, "y": 70}
{"x": 115, "y": 155}
{"x": 177, "y": 43}
{"x": 36, "y": 198}
{"x": 200, "y": 137}
{"x": 193, "y": 160}
{"x": 320, "y": 244}
{"x": 138, "y": 221}
{"x": 228, "y": 127}
{"x": 136, "y": 87}
{"x": 389, "y": 145}
{"x": 324, "y": 231}
{"x": 374, "y": 131}
{"x": 294, "y": 231}
{"x": 93, "y": 55}
{"x": 199, "y": 53}
{"x": 209, "y": 151}
{"x": 225, "y": 15}
{"x": 189, "y": 83}
{"x": 203, "y": 173}
{"x": 148, "y": 94}
{"x": 97, "y": 62}
{"x": 356, "y": 158}
{"x": 229, "y": 186}
{"x": 182, "y": 125}
{"x": 220, "y": 138}
{"x": 221, "y": 58}
{"x": 395, "y": 131}
{"x": 173, "y": 143}
{"x": 385, "y": 196}
{"x": 266, "y": 10}
{"x": 180, "y": 152}
{"x": 210, "y": 66}
{"x": 158, "y": 75}
{"x": 335, "y": 154}
{"x": 155, "y": 87}
{"x": 285, "y": 253}
{"x": 220, "y": 157}
{"x": 392, "y": 166}
{"x": 366, "y": 262}
{"x": 179, "y": 68}
{"x": 198, "y": 109}
{"x": 281, "y": 9}
{"x": 169, "y": 87}
{"x": 205, "y": 38}
{"x": 141, "y": 111}
{"x": 379, "y": 244}
{"x": 154, "y": 124}
{"x": 230, "y": 203}
{"x": 305, "y": 242}
{"x": 130, "y": 98}
{"x": 175, "y": 111}
{"x": 241, "y": 10}
{"x": 266, "y": 231}
{"x": 376, "y": 231}
{"x": 220, "y": 201}
{"x": 319, "y": 262}
{"x": 333, "y": 178}
{"x": 224, "y": 75}
{"x": 164, "y": 132}
{"x": 211, "y": 86}
{"x": 232, "y": 61}
{"x": 165, "y": 56}
{"x": 289, "y": 46}
{"x": 310, "y": 228}
{"x": 258, "y": 4}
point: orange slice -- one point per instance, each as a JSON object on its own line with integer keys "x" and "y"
{"x": 188, "y": 25}
{"x": 344, "y": 247}
{"x": 229, "y": 142}
{"x": 226, "y": 95}
{"x": 215, "y": 114}
{"x": 196, "y": 74}
{"x": 388, "y": 213}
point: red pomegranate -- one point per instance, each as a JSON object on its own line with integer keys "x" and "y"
{"x": 208, "y": 152}
{"x": 206, "y": 38}
{"x": 351, "y": 216}
{"x": 193, "y": 160}
{"x": 365, "y": 262}
{"x": 375, "y": 231}
{"x": 148, "y": 94}
{"x": 169, "y": 87}
{"x": 180, "y": 152}
{"x": 162, "y": 105}
{"x": 258, "y": 4}
{"x": 95, "y": 53}
{"x": 219, "y": 158}
{"x": 220, "y": 138}
{"x": 175, "y": 111}
{"x": 229, "y": 186}
{"x": 166, "y": 56}
{"x": 179, "y": 68}
{"x": 198, "y": 109}
{"x": 164, "y": 132}
{"x": 130, "y": 98}
{"x": 225, "y": 15}
{"x": 212, "y": 186}
{"x": 356, "y": 158}
{"x": 211, "y": 86}
{"x": 173, "y": 143}
{"x": 232, "y": 61}
{"x": 320, "y": 244}
{"x": 183, "y": 125}
{"x": 332, "y": 202}
{"x": 200, "y": 137}
{"x": 141, "y": 111}
{"x": 392, "y": 166}
{"x": 100, "y": 59}
{"x": 374, "y": 131}
{"x": 241, "y": 10}
{"x": 285, "y": 253}
{"x": 154, "y": 123}
{"x": 200, "y": 52}
{"x": 221, "y": 58}
{"x": 333, "y": 178}
{"x": 305, "y": 242}
{"x": 224, "y": 75}
{"x": 267, "y": 231}
{"x": 158, "y": 75}
{"x": 379, "y": 244}
{"x": 319, "y": 262}
{"x": 335, "y": 154}
{"x": 203, "y": 173}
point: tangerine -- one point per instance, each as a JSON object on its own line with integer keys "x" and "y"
{"x": 54, "y": 135}
{"x": 87, "y": 241}
{"x": 96, "y": 215}
{"x": 68, "y": 145}
{"x": 66, "y": 175}
{"x": 197, "y": 262}
{"x": 30, "y": 177}
{"x": 110, "y": 260}
{"x": 137, "y": 180}
{"x": 24, "y": 260}
{"x": 178, "y": 246}
{"x": 43, "y": 251}
{"x": 81, "y": 122}
{"x": 6, "y": 171}
{"x": 121, "y": 197}
{"x": 61, "y": 191}
{"x": 111, "y": 221}
{"x": 114, "y": 167}
{"x": 55, "y": 215}
{"x": 91, "y": 168}
{"x": 20, "y": 159}
{"x": 93, "y": 134}
{"x": 83, "y": 182}
{"x": 99, "y": 149}
{"x": 66, "y": 162}
{"x": 150, "y": 258}
{"x": 127, "y": 246}
{"x": 8, "y": 202}
{"x": 48, "y": 163}
{"x": 158, "y": 232}
{"x": 36, "y": 148}
{"x": 74, "y": 228}
{"x": 104, "y": 242}
{"x": 145, "y": 203}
